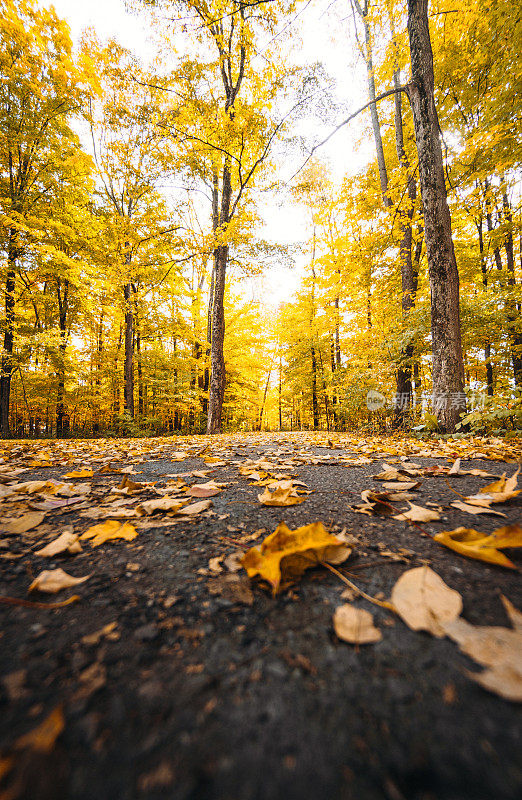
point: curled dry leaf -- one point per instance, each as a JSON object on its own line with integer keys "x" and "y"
{"x": 355, "y": 625}
{"x": 481, "y": 546}
{"x": 195, "y": 508}
{"x": 67, "y": 542}
{"x": 208, "y": 489}
{"x": 161, "y": 504}
{"x": 112, "y": 529}
{"x": 79, "y": 473}
{"x": 24, "y": 523}
{"x": 425, "y": 602}
{"x": 284, "y": 555}
{"x": 470, "y": 509}
{"x": 52, "y": 581}
{"x": 283, "y": 495}
{"x": 418, "y": 514}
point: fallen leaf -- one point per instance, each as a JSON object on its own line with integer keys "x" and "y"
{"x": 195, "y": 508}
{"x": 284, "y": 555}
{"x": 481, "y": 546}
{"x": 161, "y": 504}
{"x": 470, "y": 509}
{"x": 418, "y": 514}
{"x": 52, "y": 581}
{"x": 108, "y": 632}
{"x": 79, "y": 473}
{"x": 43, "y": 738}
{"x": 284, "y": 494}
{"x": 355, "y": 625}
{"x": 424, "y": 601}
{"x": 67, "y": 542}
{"x": 111, "y": 529}
{"x": 24, "y": 523}
{"x": 208, "y": 489}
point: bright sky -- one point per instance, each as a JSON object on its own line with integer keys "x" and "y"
{"x": 325, "y": 28}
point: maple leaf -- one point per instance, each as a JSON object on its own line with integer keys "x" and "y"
{"x": 111, "y": 529}
{"x": 285, "y": 554}
{"x": 284, "y": 494}
{"x": 481, "y": 546}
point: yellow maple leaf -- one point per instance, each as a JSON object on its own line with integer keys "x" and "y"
{"x": 284, "y": 555}
{"x": 284, "y": 494}
{"x": 111, "y": 529}
{"x": 473, "y": 544}
{"x": 79, "y": 473}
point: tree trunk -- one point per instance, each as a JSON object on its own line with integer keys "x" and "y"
{"x": 128, "y": 364}
{"x": 448, "y": 367}
{"x": 315, "y": 406}
{"x": 512, "y": 313}
{"x": 62, "y": 420}
{"x": 487, "y": 343}
{"x": 217, "y": 361}
{"x": 6, "y": 365}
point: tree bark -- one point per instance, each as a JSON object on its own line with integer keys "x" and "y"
{"x": 512, "y": 313}
{"x": 6, "y": 364}
{"x": 217, "y": 360}
{"x": 62, "y": 420}
{"x": 487, "y": 343}
{"x": 448, "y": 367}
{"x": 128, "y": 364}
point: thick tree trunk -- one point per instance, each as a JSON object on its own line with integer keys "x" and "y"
{"x": 62, "y": 419}
{"x": 448, "y": 367}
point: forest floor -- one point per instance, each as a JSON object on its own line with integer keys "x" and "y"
{"x": 174, "y": 675}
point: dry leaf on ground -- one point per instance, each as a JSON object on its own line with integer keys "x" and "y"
{"x": 52, "y": 581}
{"x": 424, "y": 601}
{"x": 233, "y": 588}
{"x": 67, "y": 542}
{"x": 470, "y": 509}
{"x": 79, "y": 473}
{"x": 355, "y": 625}
{"x": 284, "y": 495}
{"x": 481, "y": 546}
{"x": 112, "y": 529}
{"x": 161, "y": 504}
{"x": 418, "y": 514}
{"x": 208, "y": 489}
{"x": 24, "y": 523}
{"x": 195, "y": 508}
{"x": 43, "y": 738}
{"x": 497, "y": 648}
{"x": 284, "y": 555}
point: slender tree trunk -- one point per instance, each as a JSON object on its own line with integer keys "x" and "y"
{"x": 6, "y": 364}
{"x": 315, "y": 405}
{"x": 128, "y": 364}
{"x": 62, "y": 420}
{"x": 487, "y": 343}
{"x": 512, "y": 313}
{"x": 448, "y": 367}
{"x": 217, "y": 359}
{"x": 141, "y": 409}
{"x": 264, "y": 400}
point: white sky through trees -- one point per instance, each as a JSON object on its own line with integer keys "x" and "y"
{"x": 324, "y": 30}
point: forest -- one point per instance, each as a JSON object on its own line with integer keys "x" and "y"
{"x": 131, "y": 227}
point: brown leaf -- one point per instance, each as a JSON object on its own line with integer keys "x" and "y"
{"x": 418, "y": 514}
{"x": 355, "y": 625}
{"x": 67, "y": 542}
{"x": 195, "y": 508}
{"x": 43, "y": 738}
{"x": 24, "y": 523}
{"x": 424, "y": 601}
{"x": 52, "y": 581}
{"x": 233, "y": 588}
